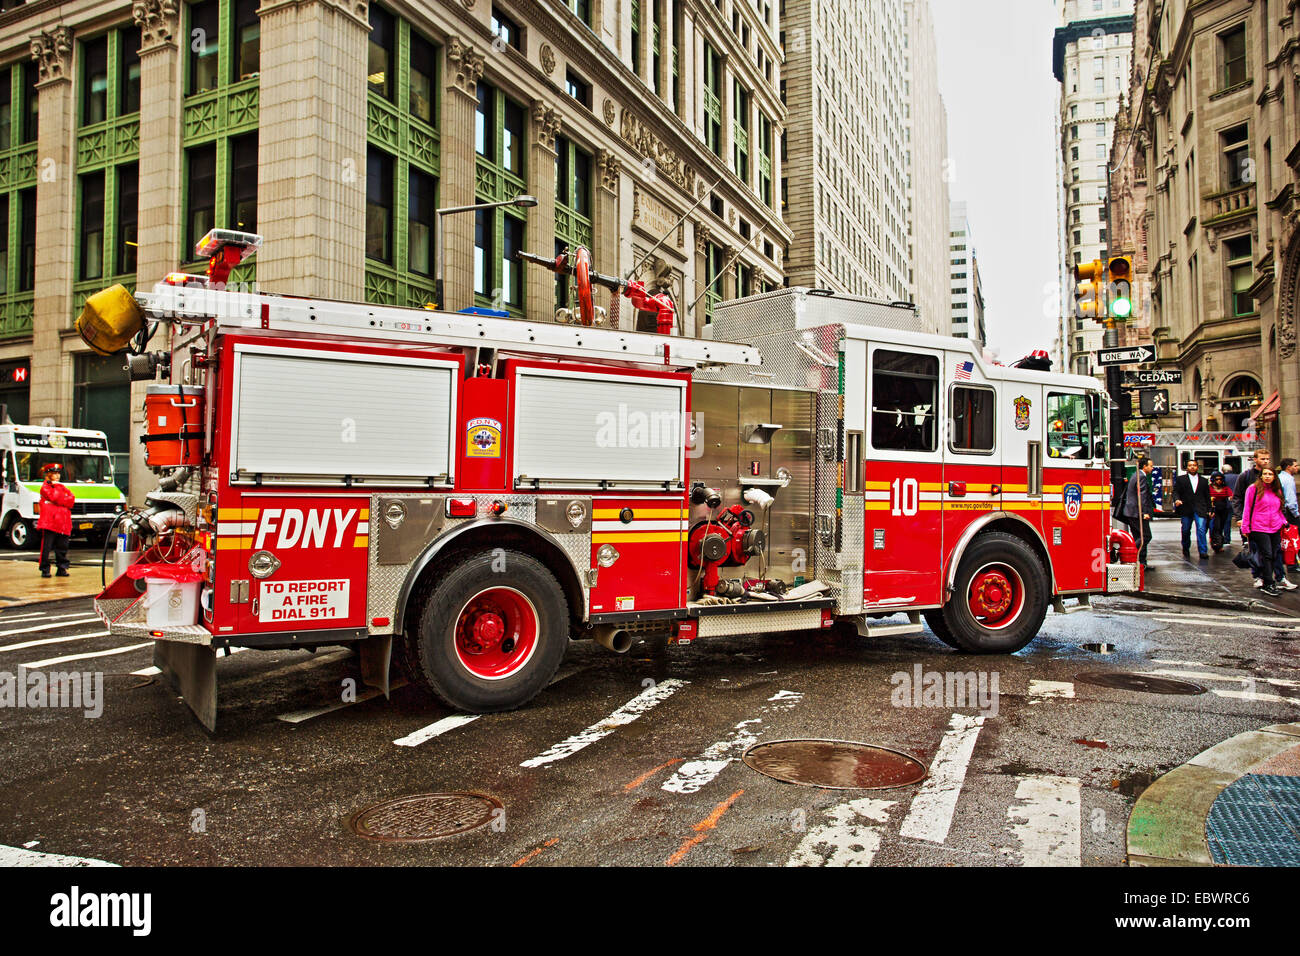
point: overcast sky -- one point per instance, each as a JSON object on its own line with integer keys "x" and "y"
{"x": 995, "y": 74}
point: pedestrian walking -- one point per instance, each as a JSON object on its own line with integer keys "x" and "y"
{"x": 1220, "y": 511}
{"x": 1244, "y": 482}
{"x": 55, "y": 521}
{"x": 1230, "y": 477}
{"x": 1286, "y": 472}
{"x": 1192, "y": 505}
{"x": 1262, "y": 522}
{"x": 1139, "y": 506}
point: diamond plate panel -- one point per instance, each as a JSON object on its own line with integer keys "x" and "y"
{"x": 385, "y": 581}
{"x": 788, "y": 309}
{"x": 851, "y": 555}
{"x": 759, "y": 622}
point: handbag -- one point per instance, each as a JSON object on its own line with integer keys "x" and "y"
{"x": 1242, "y": 558}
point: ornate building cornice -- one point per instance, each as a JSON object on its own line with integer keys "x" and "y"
{"x": 546, "y": 124}
{"x": 609, "y": 167}
{"x": 464, "y": 65}
{"x": 158, "y": 21}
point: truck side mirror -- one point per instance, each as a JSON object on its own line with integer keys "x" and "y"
{"x": 1099, "y": 448}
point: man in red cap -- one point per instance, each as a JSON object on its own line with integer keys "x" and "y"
{"x": 55, "y": 521}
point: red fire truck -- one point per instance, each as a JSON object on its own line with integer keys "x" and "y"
{"x": 464, "y": 492}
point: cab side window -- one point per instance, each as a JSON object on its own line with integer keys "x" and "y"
{"x": 904, "y": 401}
{"x": 1069, "y": 426}
{"x": 972, "y": 427}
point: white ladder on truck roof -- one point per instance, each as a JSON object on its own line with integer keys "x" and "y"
{"x": 244, "y": 310}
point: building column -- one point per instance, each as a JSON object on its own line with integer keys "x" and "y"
{"x": 464, "y": 67}
{"x": 605, "y": 227}
{"x": 539, "y": 233}
{"x": 665, "y": 50}
{"x": 702, "y": 239}
{"x": 55, "y": 232}
{"x": 730, "y": 260}
{"x": 312, "y": 149}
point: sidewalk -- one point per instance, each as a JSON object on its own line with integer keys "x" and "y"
{"x": 1235, "y": 804}
{"x": 1216, "y": 582}
{"x": 21, "y": 583}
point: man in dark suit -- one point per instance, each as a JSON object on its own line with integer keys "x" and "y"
{"x": 1139, "y": 506}
{"x": 1192, "y": 505}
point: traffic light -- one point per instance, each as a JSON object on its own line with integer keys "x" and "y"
{"x": 1154, "y": 402}
{"x": 1119, "y": 275}
{"x": 1087, "y": 295}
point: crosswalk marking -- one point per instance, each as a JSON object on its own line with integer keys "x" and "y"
{"x": 1046, "y": 821}
{"x": 851, "y": 837}
{"x": 1040, "y": 690}
{"x": 52, "y": 640}
{"x": 50, "y": 662}
{"x": 16, "y": 856}
{"x": 696, "y": 774}
{"x": 647, "y": 700}
{"x": 1211, "y": 618}
{"x": 1255, "y": 696}
{"x": 49, "y": 627}
{"x": 370, "y": 693}
{"x": 436, "y": 729}
{"x": 6, "y": 620}
{"x": 1239, "y": 678}
{"x": 932, "y": 810}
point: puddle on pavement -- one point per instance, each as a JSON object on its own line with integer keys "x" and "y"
{"x": 1099, "y": 648}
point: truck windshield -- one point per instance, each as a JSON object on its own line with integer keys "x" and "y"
{"x": 77, "y": 469}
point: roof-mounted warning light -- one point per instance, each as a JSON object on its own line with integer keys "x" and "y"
{"x": 224, "y": 249}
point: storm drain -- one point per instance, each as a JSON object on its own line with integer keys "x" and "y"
{"x": 1146, "y": 683}
{"x": 1255, "y": 821}
{"x": 424, "y": 816}
{"x": 835, "y": 764}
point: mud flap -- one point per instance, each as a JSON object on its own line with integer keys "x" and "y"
{"x": 376, "y": 658}
{"x": 191, "y": 671}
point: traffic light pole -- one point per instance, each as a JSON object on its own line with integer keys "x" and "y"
{"x": 1114, "y": 388}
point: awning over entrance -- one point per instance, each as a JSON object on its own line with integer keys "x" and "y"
{"x": 1268, "y": 411}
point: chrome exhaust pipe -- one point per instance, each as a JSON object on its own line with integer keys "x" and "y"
{"x": 611, "y": 637}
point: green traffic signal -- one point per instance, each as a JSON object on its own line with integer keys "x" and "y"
{"x": 1121, "y": 308}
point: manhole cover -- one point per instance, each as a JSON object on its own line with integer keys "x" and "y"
{"x": 424, "y": 816}
{"x": 835, "y": 764}
{"x": 1120, "y": 680}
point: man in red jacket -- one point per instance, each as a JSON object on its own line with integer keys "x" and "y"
{"x": 55, "y": 521}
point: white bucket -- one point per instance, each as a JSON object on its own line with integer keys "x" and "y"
{"x": 171, "y": 603}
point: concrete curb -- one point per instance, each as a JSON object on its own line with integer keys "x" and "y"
{"x": 49, "y": 600}
{"x": 1167, "y": 825}
{"x": 1228, "y": 604}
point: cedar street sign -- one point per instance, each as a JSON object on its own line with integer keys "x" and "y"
{"x": 1137, "y": 355}
{"x": 1143, "y": 377}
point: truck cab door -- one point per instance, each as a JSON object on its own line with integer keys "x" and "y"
{"x": 972, "y": 468}
{"x": 1076, "y": 490}
{"x": 904, "y": 477}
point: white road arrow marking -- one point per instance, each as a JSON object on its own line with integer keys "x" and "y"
{"x": 930, "y": 816}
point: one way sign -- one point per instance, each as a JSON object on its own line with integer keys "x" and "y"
{"x": 1137, "y": 355}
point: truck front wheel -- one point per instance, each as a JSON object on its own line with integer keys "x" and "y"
{"x": 493, "y": 631}
{"x": 1000, "y": 596}
{"x": 20, "y": 533}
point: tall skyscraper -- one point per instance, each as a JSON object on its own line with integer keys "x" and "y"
{"x": 1091, "y": 59}
{"x": 966, "y": 290}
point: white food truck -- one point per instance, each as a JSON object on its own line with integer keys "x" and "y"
{"x": 87, "y": 471}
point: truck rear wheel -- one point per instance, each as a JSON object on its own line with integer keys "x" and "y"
{"x": 999, "y": 599}
{"x": 488, "y": 639}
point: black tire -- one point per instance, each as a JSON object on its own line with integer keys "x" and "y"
{"x": 997, "y": 552}
{"x": 438, "y": 659}
{"x": 939, "y": 626}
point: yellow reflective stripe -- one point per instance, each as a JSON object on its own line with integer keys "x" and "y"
{"x": 623, "y": 537}
{"x": 604, "y": 514}
{"x": 365, "y": 513}
{"x": 362, "y": 541}
{"x": 237, "y": 514}
{"x": 233, "y": 544}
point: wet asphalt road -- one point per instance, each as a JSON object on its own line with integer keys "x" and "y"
{"x": 1048, "y": 777}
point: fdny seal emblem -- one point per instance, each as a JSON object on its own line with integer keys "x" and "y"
{"x": 1073, "y": 495}
{"x": 483, "y": 438}
{"x": 1022, "y": 413}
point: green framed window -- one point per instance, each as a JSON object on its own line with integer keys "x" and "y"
{"x": 1232, "y": 56}
{"x": 582, "y": 9}
{"x": 18, "y": 127}
{"x": 765, "y": 159}
{"x": 712, "y": 100}
{"x": 713, "y": 284}
{"x": 1240, "y": 264}
{"x": 636, "y": 37}
{"x": 501, "y": 142}
{"x": 656, "y": 57}
{"x": 573, "y": 204}
{"x": 740, "y": 131}
{"x": 108, "y": 149}
{"x": 219, "y": 124}
{"x": 402, "y": 161}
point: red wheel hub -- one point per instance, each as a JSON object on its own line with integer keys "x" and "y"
{"x": 496, "y": 633}
{"x": 996, "y": 596}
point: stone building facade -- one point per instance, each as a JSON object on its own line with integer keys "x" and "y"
{"x": 336, "y": 128}
{"x": 1213, "y": 156}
